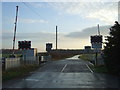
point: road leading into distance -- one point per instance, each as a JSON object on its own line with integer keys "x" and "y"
{"x": 67, "y": 73}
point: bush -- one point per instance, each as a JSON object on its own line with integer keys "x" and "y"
{"x": 112, "y": 50}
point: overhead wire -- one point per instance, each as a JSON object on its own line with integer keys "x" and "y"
{"x": 30, "y": 7}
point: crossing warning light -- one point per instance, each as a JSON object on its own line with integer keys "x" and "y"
{"x": 48, "y": 46}
{"x": 24, "y": 44}
{"x": 96, "y": 39}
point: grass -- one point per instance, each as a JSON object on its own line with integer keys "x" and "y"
{"x": 59, "y": 56}
{"x": 87, "y": 57}
{"x": 99, "y": 69}
{"x": 8, "y": 55}
{"x": 103, "y": 69}
{"x": 18, "y": 72}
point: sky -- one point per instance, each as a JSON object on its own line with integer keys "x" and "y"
{"x": 76, "y": 22}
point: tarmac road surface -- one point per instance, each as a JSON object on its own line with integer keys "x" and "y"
{"x": 67, "y": 73}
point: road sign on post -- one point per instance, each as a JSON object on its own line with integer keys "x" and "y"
{"x": 96, "y": 42}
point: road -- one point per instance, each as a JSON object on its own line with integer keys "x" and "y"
{"x": 68, "y": 73}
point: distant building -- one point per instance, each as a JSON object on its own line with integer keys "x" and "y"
{"x": 87, "y": 48}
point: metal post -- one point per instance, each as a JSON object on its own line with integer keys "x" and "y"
{"x": 96, "y": 58}
{"x": 15, "y": 29}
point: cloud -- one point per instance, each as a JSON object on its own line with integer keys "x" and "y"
{"x": 119, "y": 12}
{"x": 86, "y": 33}
{"x": 72, "y": 40}
{"x": 36, "y": 4}
{"x": 105, "y": 15}
{"x": 23, "y": 20}
{"x": 7, "y": 20}
{"x": 38, "y": 39}
{"x": 103, "y": 11}
{"x": 39, "y": 36}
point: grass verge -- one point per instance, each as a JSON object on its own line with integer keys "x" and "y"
{"x": 99, "y": 69}
{"x": 86, "y": 57}
{"x": 95, "y": 68}
{"x": 103, "y": 69}
{"x": 18, "y": 72}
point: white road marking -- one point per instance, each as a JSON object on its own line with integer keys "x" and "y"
{"x": 32, "y": 80}
{"x": 89, "y": 68}
{"x": 64, "y": 68}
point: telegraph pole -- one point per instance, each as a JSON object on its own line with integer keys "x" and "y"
{"x": 98, "y": 30}
{"x": 15, "y": 30}
{"x": 56, "y": 37}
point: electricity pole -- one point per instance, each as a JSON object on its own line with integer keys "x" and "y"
{"x": 15, "y": 30}
{"x": 56, "y": 37}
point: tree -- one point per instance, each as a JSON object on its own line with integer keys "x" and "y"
{"x": 112, "y": 49}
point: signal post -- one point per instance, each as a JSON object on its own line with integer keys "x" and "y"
{"x": 96, "y": 42}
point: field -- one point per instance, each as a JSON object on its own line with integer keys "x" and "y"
{"x": 59, "y": 56}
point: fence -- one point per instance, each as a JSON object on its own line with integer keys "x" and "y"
{"x": 12, "y": 62}
{"x": 16, "y": 62}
